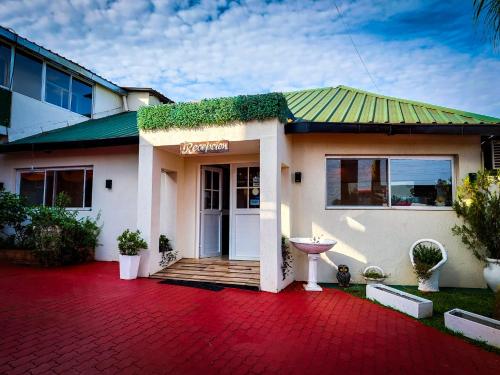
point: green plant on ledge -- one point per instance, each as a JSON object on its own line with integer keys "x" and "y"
{"x": 425, "y": 257}
{"x": 216, "y": 111}
{"x": 478, "y": 204}
{"x": 131, "y": 243}
{"x": 168, "y": 254}
{"x": 286, "y": 258}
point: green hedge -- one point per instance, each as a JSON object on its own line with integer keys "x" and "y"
{"x": 214, "y": 112}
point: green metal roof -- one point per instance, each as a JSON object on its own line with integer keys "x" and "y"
{"x": 347, "y": 105}
{"x": 122, "y": 125}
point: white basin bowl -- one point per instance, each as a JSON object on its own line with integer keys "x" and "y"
{"x": 309, "y": 246}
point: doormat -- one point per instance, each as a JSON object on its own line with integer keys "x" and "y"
{"x": 215, "y": 287}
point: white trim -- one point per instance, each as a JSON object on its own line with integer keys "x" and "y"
{"x": 389, "y": 188}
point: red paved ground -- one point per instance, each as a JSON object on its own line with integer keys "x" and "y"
{"x": 85, "y": 320}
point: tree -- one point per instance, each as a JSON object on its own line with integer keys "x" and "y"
{"x": 489, "y": 11}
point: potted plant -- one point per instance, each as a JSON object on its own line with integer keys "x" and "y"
{"x": 130, "y": 244}
{"x": 374, "y": 275}
{"x": 168, "y": 254}
{"x": 478, "y": 204}
{"x": 427, "y": 257}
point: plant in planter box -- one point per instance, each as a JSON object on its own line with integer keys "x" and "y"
{"x": 478, "y": 205}
{"x": 130, "y": 244}
{"x": 374, "y": 275}
{"x": 427, "y": 257}
{"x": 168, "y": 255}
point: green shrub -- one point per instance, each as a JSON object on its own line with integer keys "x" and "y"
{"x": 59, "y": 237}
{"x": 214, "y": 112}
{"x": 425, "y": 257}
{"x": 130, "y": 243}
{"x": 13, "y": 215}
{"x": 478, "y": 204}
{"x": 286, "y": 258}
{"x": 168, "y": 254}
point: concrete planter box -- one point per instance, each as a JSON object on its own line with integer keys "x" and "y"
{"x": 473, "y": 326}
{"x": 18, "y": 256}
{"x": 408, "y": 303}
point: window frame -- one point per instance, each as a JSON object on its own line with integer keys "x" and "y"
{"x": 85, "y": 168}
{"x": 11, "y": 66}
{"x": 389, "y": 182}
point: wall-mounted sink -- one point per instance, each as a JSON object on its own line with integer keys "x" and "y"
{"x": 312, "y": 247}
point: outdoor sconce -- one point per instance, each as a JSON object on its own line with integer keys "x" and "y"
{"x": 472, "y": 177}
{"x": 298, "y": 177}
{"x": 1, "y": 186}
{"x": 109, "y": 184}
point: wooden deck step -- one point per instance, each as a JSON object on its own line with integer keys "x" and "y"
{"x": 213, "y": 270}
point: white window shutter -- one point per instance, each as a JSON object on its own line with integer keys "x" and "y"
{"x": 495, "y": 151}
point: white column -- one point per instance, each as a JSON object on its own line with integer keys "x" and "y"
{"x": 270, "y": 214}
{"x": 148, "y": 202}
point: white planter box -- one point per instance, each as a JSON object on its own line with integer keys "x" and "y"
{"x": 474, "y": 326}
{"x": 129, "y": 266}
{"x": 408, "y": 303}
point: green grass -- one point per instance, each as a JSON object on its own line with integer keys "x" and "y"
{"x": 479, "y": 301}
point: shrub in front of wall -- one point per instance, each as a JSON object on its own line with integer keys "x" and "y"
{"x": 13, "y": 215}
{"x": 217, "y": 111}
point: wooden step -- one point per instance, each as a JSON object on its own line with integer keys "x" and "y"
{"x": 213, "y": 270}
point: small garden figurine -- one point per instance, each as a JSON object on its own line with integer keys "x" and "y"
{"x": 343, "y": 276}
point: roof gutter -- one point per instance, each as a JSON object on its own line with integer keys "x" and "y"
{"x": 392, "y": 129}
{"x": 49, "y": 146}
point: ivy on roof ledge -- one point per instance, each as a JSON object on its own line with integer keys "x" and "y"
{"x": 217, "y": 111}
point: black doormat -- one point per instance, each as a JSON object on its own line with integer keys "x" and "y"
{"x": 215, "y": 287}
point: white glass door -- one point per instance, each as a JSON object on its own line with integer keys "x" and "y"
{"x": 245, "y": 212}
{"x": 211, "y": 212}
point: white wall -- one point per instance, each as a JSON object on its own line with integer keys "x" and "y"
{"x": 378, "y": 236}
{"x": 106, "y": 102}
{"x": 30, "y": 116}
{"x": 117, "y": 207}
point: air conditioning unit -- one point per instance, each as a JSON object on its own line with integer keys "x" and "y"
{"x": 495, "y": 154}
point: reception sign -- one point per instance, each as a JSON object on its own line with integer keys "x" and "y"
{"x": 208, "y": 147}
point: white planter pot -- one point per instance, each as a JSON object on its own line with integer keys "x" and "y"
{"x": 129, "y": 266}
{"x": 431, "y": 284}
{"x": 491, "y": 273}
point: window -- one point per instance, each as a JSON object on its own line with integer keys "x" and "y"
{"x": 212, "y": 190}
{"x": 248, "y": 187}
{"x": 41, "y": 187}
{"x": 27, "y": 76}
{"x": 57, "y": 87}
{"x": 81, "y": 98}
{"x": 5, "y": 55}
{"x": 409, "y": 182}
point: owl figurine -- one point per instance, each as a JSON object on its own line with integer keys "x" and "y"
{"x": 343, "y": 276}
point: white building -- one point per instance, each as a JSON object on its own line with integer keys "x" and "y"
{"x": 374, "y": 173}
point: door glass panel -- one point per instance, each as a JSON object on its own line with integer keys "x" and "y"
{"x": 254, "y": 177}
{"x": 215, "y": 182}
{"x": 241, "y": 198}
{"x": 242, "y": 177}
{"x": 215, "y": 200}
{"x": 254, "y": 197}
{"x": 207, "y": 199}
{"x": 31, "y": 187}
{"x": 208, "y": 179}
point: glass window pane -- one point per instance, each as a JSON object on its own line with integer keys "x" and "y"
{"x": 356, "y": 182}
{"x": 57, "y": 87}
{"x": 241, "y": 198}
{"x": 242, "y": 177}
{"x": 216, "y": 177}
{"x": 207, "y": 199}
{"x": 27, "y": 76}
{"x": 208, "y": 179}
{"x": 254, "y": 176}
{"x": 5, "y": 52}
{"x": 31, "y": 186}
{"x": 81, "y": 98}
{"x": 88, "y": 188}
{"x": 71, "y": 183}
{"x": 421, "y": 182}
{"x": 254, "y": 197}
{"x": 215, "y": 200}
{"x": 49, "y": 188}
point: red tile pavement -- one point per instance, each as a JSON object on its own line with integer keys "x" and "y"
{"x": 85, "y": 320}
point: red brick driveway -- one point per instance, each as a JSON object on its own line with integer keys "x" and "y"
{"x": 85, "y": 320}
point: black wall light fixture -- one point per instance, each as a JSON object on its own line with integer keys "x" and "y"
{"x": 109, "y": 184}
{"x": 298, "y": 177}
{"x": 472, "y": 177}
{"x": 2, "y": 186}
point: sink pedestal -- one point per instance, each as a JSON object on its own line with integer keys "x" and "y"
{"x": 312, "y": 284}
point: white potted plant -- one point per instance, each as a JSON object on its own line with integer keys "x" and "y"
{"x": 427, "y": 257}
{"x": 374, "y": 275}
{"x": 478, "y": 204}
{"x": 130, "y": 244}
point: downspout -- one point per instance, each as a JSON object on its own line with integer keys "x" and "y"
{"x": 125, "y": 103}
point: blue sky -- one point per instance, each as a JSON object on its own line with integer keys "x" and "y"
{"x": 423, "y": 50}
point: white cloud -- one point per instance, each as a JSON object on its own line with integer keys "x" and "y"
{"x": 217, "y": 48}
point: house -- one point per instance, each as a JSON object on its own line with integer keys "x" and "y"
{"x": 373, "y": 172}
